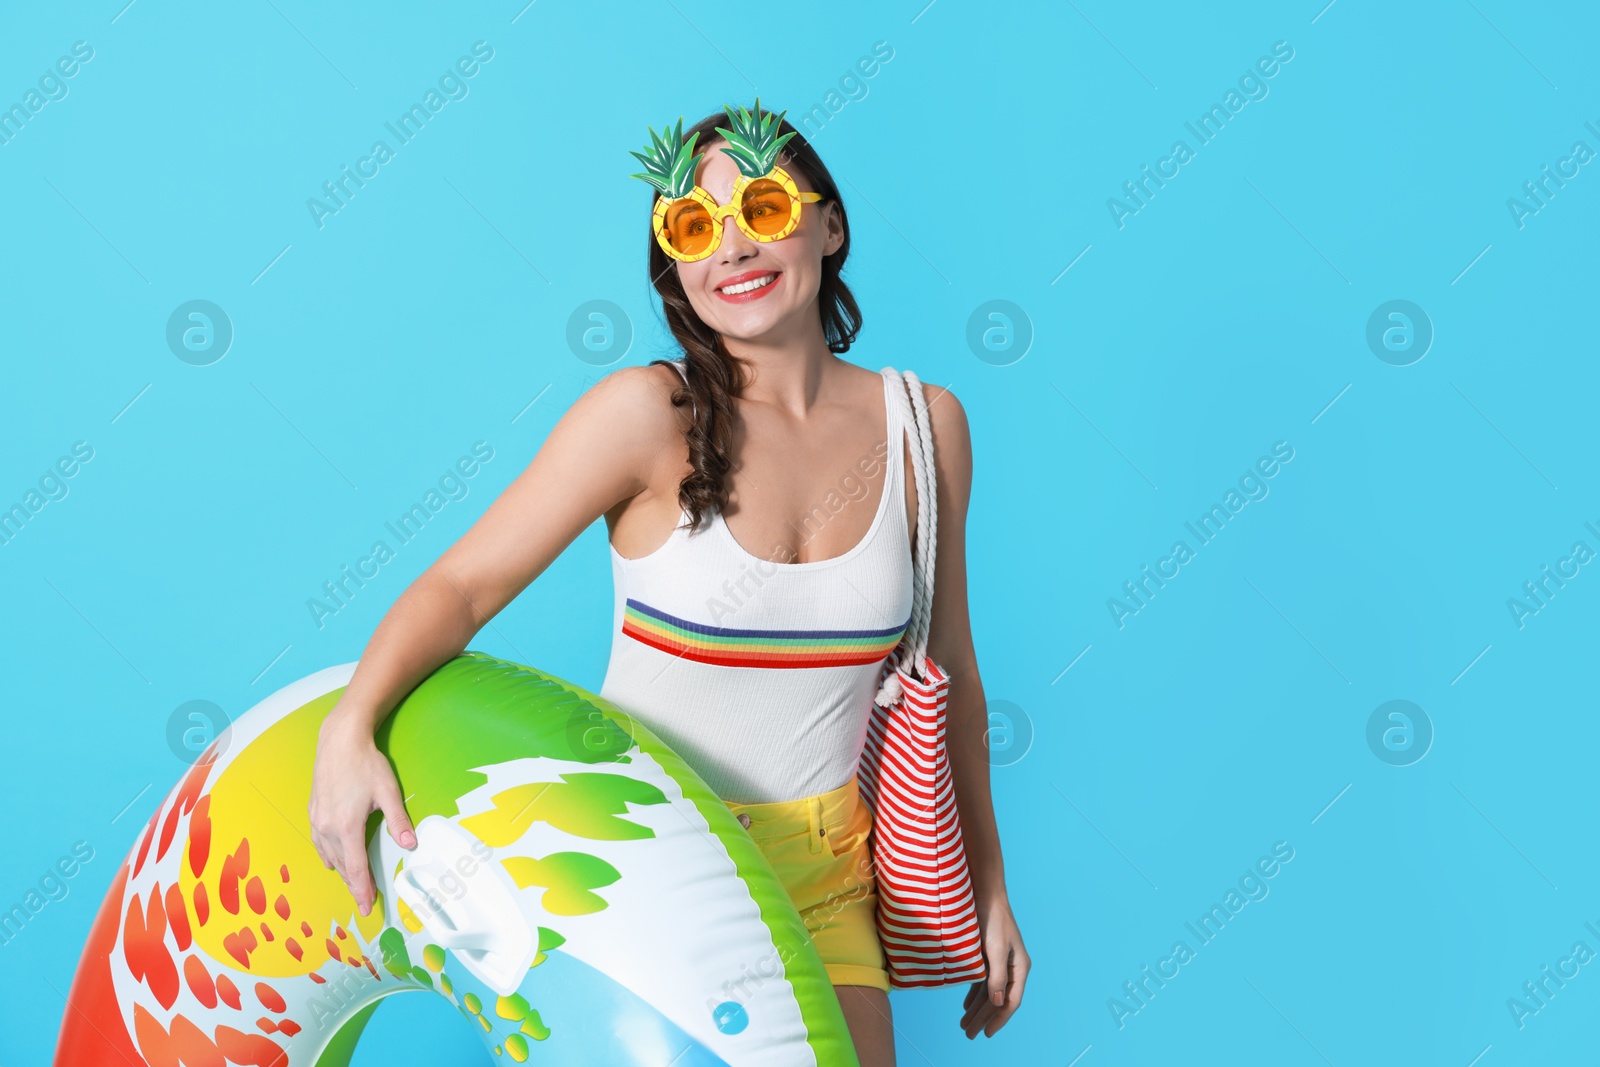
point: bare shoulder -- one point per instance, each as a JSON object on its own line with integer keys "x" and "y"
{"x": 632, "y": 404}
{"x": 618, "y": 438}
{"x": 640, "y": 391}
{"x": 952, "y": 436}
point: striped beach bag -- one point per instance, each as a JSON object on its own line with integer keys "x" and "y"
{"x": 927, "y": 918}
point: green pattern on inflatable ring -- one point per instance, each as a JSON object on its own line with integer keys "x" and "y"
{"x": 819, "y": 1005}
{"x": 426, "y": 735}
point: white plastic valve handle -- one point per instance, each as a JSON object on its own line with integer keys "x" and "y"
{"x": 467, "y": 904}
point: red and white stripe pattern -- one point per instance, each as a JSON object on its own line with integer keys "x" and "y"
{"x": 927, "y": 918}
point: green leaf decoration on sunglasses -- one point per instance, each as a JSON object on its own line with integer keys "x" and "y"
{"x": 669, "y": 161}
{"x": 754, "y": 142}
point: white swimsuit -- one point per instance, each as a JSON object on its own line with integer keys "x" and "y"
{"x": 761, "y": 674}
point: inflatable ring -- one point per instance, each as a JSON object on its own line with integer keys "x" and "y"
{"x": 577, "y": 892}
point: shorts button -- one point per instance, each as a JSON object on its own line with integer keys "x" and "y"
{"x": 744, "y": 820}
{"x": 822, "y": 832}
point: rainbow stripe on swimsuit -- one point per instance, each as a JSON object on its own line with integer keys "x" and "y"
{"x": 730, "y": 647}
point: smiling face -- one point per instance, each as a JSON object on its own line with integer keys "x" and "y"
{"x": 753, "y": 290}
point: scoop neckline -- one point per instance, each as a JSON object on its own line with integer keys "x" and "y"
{"x": 717, "y": 519}
{"x": 872, "y": 530}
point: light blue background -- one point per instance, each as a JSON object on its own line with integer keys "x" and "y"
{"x": 1228, "y": 314}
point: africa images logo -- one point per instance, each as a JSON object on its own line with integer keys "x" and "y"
{"x": 1138, "y": 593}
{"x": 452, "y": 85}
{"x": 1252, "y": 85}
{"x": 453, "y": 485}
{"x": 1252, "y": 887}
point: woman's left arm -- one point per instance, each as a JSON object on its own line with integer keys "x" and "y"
{"x": 990, "y": 1003}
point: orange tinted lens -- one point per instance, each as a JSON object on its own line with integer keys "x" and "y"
{"x": 689, "y": 227}
{"x": 767, "y": 207}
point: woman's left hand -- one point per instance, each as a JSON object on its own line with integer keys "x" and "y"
{"x": 991, "y": 1002}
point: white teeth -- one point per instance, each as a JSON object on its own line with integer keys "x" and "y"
{"x": 751, "y": 285}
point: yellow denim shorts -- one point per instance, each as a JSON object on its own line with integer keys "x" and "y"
{"x": 818, "y": 846}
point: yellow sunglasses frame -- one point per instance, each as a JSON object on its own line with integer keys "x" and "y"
{"x": 734, "y": 207}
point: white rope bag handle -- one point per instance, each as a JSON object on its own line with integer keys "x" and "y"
{"x": 913, "y": 645}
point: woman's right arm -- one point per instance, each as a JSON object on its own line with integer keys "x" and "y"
{"x": 611, "y": 445}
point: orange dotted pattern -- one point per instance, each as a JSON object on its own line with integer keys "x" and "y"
{"x": 239, "y": 894}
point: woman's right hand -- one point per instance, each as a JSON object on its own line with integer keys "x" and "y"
{"x": 606, "y": 449}
{"x": 350, "y": 780}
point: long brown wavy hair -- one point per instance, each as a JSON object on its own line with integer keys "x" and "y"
{"x": 716, "y": 377}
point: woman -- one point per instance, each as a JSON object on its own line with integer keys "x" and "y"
{"x": 760, "y": 436}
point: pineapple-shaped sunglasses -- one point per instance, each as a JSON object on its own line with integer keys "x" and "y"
{"x": 765, "y": 204}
